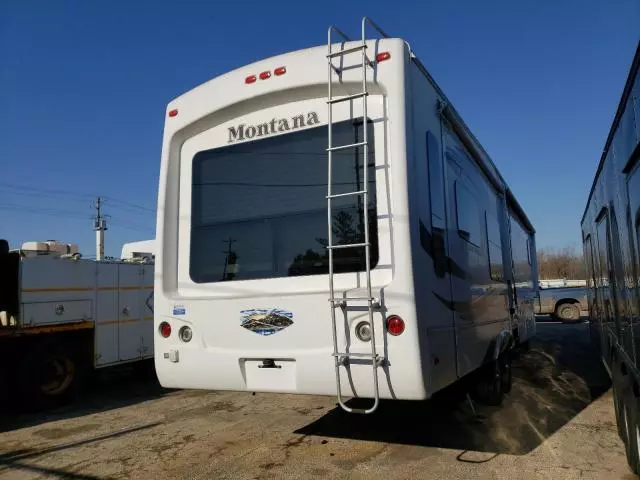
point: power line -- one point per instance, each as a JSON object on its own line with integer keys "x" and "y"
{"x": 45, "y": 190}
{"x": 33, "y": 191}
{"x": 276, "y": 185}
{"x": 57, "y": 212}
{"x": 49, "y": 211}
{"x": 133, "y": 227}
{"x": 130, "y": 207}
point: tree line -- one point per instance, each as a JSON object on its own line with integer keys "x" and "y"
{"x": 561, "y": 263}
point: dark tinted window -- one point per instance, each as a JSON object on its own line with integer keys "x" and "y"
{"x": 259, "y": 209}
{"x": 436, "y": 181}
{"x": 520, "y": 253}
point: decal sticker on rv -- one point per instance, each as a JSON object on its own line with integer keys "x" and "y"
{"x": 179, "y": 310}
{"x": 265, "y": 321}
{"x": 275, "y": 125}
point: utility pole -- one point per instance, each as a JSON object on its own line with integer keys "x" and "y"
{"x": 99, "y": 225}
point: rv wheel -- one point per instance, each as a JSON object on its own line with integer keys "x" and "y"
{"x": 490, "y": 384}
{"x": 617, "y": 383}
{"x": 632, "y": 427}
{"x": 507, "y": 375}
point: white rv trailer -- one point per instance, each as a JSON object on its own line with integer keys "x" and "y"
{"x": 611, "y": 240}
{"x": 300, "y": 252}
{"x": 62, "y": 315}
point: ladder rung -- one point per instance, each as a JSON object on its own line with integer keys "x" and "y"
{"x": 347, "y": 50}
{"x": 343, "y": 147}
{"x": 356, "y": 355}
{"x": 348, "y": 299}
{"x": 338, "y": 195}
{"x": 350, "y": 245}
{"x": 347, "y": 98}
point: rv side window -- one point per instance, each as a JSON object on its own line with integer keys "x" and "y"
{"x": 259, "y": 208}
{"x": 496, "y": 269}
{"x": 436, "y": 187}
{"x": 588, "y": 254}
{"x": 602, "y": 255}
{"x": 468, "y": 215}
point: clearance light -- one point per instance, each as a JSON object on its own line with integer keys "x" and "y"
{"x": 395, "y": 325}
{"x": 382, "y": 56}
{"x": 265, "y": 75}
{"x": 173, "y": 113}
{"x": 165, "y": 329}
{"x": 280, "y": 71}
{"x": 250, "y": 79}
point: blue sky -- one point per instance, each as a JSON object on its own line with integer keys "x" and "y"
{"x": 84, "y": 85}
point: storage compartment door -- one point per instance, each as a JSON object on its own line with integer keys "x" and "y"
{"x": 106, "y": 336}
{"x": 130, "y": 325}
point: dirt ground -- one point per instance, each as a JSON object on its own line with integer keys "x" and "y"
{"x": 557, "y": 423}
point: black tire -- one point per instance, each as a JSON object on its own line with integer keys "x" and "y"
{"x": 49, "y": 376}
{"x": 632, "y": 428}
{"x": 567, "y": 312}
{"x": 489, "y": 388}
{"x": 4, "y": 387}
{"x": 506, "y": 372}
{"x": 618, "y": 387}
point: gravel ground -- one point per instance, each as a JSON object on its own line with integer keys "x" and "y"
{"x": 557, "y": 423}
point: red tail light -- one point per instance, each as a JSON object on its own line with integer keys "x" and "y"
{"x": 165, "y": 329}
{"x": 250, "y": 79}
{"x": 173, "y": 113}
{"x": 265, "y": 75}
{"x": 382, "y": 56}
{"x": 395, "y": 325}
{"x": 280, "y": 71}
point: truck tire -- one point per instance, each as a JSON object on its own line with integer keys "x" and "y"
{"x": 567, "y": 312}
{"x": 49, "y": 375}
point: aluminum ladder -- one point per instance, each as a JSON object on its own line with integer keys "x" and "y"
{"x": 342, "y": 358}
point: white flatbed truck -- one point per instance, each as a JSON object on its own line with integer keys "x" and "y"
{"x": 62, "y": 316}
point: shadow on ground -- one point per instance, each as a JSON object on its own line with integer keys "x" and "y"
{"x": 20, "y": 459}
{"x": 554, "y": 381}
{"x": 106, "y": 390}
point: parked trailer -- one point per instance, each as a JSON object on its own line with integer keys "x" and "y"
{"x": 301, "y": 249}
{"x": 610, "y": 229}
{"x": 62, "y": 316}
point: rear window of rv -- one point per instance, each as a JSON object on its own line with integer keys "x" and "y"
{"x": 259, "y": 209}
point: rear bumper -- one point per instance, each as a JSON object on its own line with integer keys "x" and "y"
{"x": 308, "y": 372}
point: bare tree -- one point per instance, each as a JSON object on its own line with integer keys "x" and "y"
{"x": 561, "y": 263}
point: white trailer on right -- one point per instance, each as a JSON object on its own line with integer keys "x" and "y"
{"x": 327, "y": 224}
{"x": 611, "y": 241}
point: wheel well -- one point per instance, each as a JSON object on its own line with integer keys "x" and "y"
{"x": 623, "y": 368}
{"x": 562, "y": 301}
{"x": 16, "y": 348}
